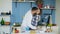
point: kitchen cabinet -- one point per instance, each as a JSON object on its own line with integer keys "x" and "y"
{"x": 5, "y": 29}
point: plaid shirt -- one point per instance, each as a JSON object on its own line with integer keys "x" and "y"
{"x": 35, "y": 20}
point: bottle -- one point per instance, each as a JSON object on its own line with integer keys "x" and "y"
{"x": 2, "y": 21}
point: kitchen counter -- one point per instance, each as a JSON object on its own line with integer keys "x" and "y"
{"x": 7, "y": 29}
{"x": 54, "y": 28}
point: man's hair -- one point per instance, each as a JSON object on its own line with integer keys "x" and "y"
{"x": 34, "y": 8}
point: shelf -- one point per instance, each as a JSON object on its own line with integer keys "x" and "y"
{"x": 48, "y": 8}
{"x": 23, "y": 1}
{"x": 4, "y": 15}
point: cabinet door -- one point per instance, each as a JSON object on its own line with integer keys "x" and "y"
{"x": 4, "y": 29}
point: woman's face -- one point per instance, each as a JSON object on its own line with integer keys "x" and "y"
{"x": 38, "y": 12}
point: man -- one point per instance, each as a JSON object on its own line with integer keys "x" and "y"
{"x": 31, "y": 19}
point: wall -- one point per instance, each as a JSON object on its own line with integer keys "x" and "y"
{"x": 58, "y": 14}
{"x": 5, "y": 6}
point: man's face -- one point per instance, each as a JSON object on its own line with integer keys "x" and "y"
{"x": 33, "y": 12}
